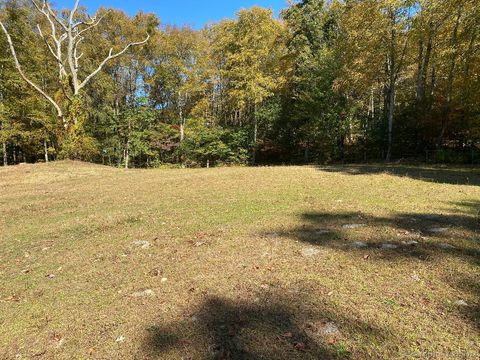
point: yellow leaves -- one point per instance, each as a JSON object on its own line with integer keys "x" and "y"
{"x": 250, "y": 54}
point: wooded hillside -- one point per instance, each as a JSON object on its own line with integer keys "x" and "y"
{"x": 327, "y": 81}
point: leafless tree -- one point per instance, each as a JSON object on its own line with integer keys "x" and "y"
{"x": 63, "y": 39}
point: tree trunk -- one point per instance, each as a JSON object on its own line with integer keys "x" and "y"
{"x": 419, "y": 70}
{"x": 182, "y": 127}
{"x": 127, "y": 154}
{"x": 391, "y": 111}
{"x": 255, "y": 134}
{"x": 423, "y": 63}
{"x": 451, "y": 77}
{"x": 45, "y": 148}
{"x": 5, "y": 157}
{"x": 392, "y": 75}
{"x": 372, "y": 103}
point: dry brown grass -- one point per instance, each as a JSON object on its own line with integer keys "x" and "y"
{"x": 226, "y": 264}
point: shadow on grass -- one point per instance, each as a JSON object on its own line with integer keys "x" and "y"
{"x": 418, "y": 236}
{"x": 443, "y": 175}
{"x": 469, "y": 284}
{"x": 274, "y": 326}
{"x": 422, "y": 236}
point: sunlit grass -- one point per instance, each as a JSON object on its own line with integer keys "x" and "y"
{"x": 227, "y": 267}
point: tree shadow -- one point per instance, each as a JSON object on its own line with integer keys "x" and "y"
{"x": 418, "y": 235}
{"x": 471, "y": 285}
{"x": 451, "y": 175}
{"x": 274, "y": 326}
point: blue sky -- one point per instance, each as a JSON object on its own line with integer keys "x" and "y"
{"x": 180, "y": 12}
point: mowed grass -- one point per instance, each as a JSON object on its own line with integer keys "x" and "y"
{"x": 243, "y": 263}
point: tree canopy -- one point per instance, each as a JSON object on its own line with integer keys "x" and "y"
{"x": 327, "y": 81}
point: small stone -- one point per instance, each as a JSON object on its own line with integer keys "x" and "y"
{"x": 141, "y": 243}
{"x": 330, "y": 329}
{"x": 353, "y": 226}
{"x": 145, "y": 293}
{"x": 461, "y": 303}
{"x": 446, "y": 246}
{"x": 309, "y": 252}
{"x": 199, "y": 243}
{"x": 410, "y": 243}
{"x": 164, "y": 280}
{"x": 50, "y": 276}
{"x": 323, "y": 331}
{"x": 60, "y": 343}
{"x": 360, "y": 245}
{"x": 389, "y": 246}
{"x": 120, "y": 339}
{"x": 438, "y": 230}
{"x": 415, "y": 277}
{"x": 272, "y": 235}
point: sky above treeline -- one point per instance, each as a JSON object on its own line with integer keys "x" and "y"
{"x": 195, "y": 13}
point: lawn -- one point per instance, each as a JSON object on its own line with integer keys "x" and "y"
{"x": 359, "y": 262}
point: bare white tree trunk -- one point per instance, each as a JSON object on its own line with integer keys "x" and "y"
{"x": 71, "y": 31}
{"x": 45, "y": 149}
{"x": 182, "y": 126}
{"x": 127, "y": 154}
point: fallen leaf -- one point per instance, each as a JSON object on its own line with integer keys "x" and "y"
{"x": 299, "y": 346}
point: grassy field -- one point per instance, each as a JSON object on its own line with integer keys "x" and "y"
{"x": 363, "y": 262}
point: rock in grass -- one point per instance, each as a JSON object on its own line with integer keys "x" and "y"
{"x": 461, "y": 303}
{"x": 330, "y": 329}
{"x": 144, "y": 294}
{"x": 389, "y": 246}
{"x": 360, "y": 245}
{"x": 141, "y": 243}
{"x": 410, "y": 243}
{"x": 438, "y": 230}
{"x": 445, "y": 246}
{"x": 353, "y": 226}
{"x": 323, "y": 330}
{"x": 309, "y": 252}
{"x": 120, "y": 339}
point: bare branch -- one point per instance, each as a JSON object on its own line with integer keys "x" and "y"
{"x": 24, "y": 77}
{"x": 54, "y": 15}
{"x": 111, "y": 56}
{"x": 72, "y": 13}
{"x": 40, "y": 32}
{"x": 76, "y": 58}
{"x": 46, "y": 10}
{"x": 91, "y": 25}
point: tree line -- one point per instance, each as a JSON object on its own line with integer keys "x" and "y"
{"x": 326, "y": 81}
